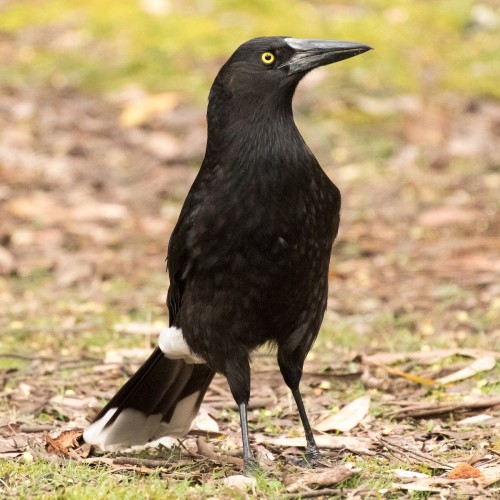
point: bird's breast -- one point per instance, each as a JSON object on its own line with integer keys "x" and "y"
{"x": 268, "y": 219}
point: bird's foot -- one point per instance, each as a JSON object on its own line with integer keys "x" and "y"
{"x": 313, "y": 458}
{"x": 251, "y": 467}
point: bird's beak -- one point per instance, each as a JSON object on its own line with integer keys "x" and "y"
{"x": 310, "y": 53}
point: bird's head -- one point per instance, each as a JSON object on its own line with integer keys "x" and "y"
{"x": 267, "y": 66}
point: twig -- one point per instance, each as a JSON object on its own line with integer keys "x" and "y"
{"x": 62, "y": 329}
{"x": 37, "y": 428}
{"x": 327, "y": 492}
{"x": 254, "y": 404}
{"x": 146, "y": 462}
{"x": 397, "y": 454}
{"x": 205, "y": 450}
{"x": 426, "y": 410}
{"x": 401, "y": 449}
{"x": 11, "y": 355}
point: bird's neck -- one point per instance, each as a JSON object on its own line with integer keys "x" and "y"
{"x": 257, "y": 132}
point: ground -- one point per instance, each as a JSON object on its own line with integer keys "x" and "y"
{"x": 91, "y": 184}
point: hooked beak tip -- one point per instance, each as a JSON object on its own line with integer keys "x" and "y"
{"x": 312, "y": 53}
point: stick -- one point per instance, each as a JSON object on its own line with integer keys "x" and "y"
{"x": 205, "y": 450}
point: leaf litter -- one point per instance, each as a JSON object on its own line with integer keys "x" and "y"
{"x": 90, "y": 224}
{"x": 361, "y": 436}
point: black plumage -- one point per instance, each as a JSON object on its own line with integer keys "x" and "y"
{"x": 248, "y": 259}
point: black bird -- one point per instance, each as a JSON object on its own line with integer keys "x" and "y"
{"x": 248, "y": 259}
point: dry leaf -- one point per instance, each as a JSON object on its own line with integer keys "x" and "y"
{"x": 479, "y": 365}
{"x": 409, "y": 474}
{"x": 37, "y": 205}
{"x": 419, "y": 410}
{"x": 138, "y": 328}
{"x": 347, "y": 418}
{"x": 99, "y": 212}
{"x": 426, "y": 357}
{"x": 204, "y": 422}
{"x": 305, "y": 480}
{"x": 62, "y": 444}
{"x": 240, "y": 481}
{"x": 476, "y": 419}
{"x": 354, "y": 444}
{"x": 7, "y": 263}
{"x": 409, "y": 376}
{"x": 147, "y": 108}
{"x": 120, "y": 355}
{"x": 447, "y": 215}
{"x": 464, "y": 471}
{"x": 423, "y": 484}
{"x": 165, "y": 146}
{"x": 263, "y": 454}
{"x": 13, "y": 444}
{"x": 489, "y": 475}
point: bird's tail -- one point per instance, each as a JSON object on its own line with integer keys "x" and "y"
{"x": 161, "y": 399}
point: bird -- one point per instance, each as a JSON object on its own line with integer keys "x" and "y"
{"x": 248, "y": 259}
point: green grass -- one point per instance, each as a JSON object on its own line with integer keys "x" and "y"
{"x": 70, "y": 480}
{"x": 420, "y": 47}
{"x": 84, "y": 482}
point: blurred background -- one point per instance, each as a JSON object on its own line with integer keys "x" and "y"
{"x": 102, "y": 130}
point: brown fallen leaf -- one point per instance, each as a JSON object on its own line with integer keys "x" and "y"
{"x": 421, "y": 410}
{"x": 405, "y": 451}
{"x": 464, "y": 471}
{"x": 64, "y": 443}
{"x": 139, "y": 328}
{"x": 446, "y": 216}
{"x": 489, "y": 476}
{"x": 13, "y": 444}
{"x": 241, "y": 482}
{"x": 426, "y": 357}
{"x": 476, "y": 419}
{"x": 408, "y": 376}
{"x": 408, "y": 474}
{"x": 164, "y": 146}
{"x": 305, "y": 480}
{"x": 7, "y": 262}
{"x": 207, "y": 451}
{"x": 347, "y": 418}
{"x": 204, "y": 422}
{"x": 482, "y": 364}
{"x": 119, "y": 356}
{"x": 99, "y": 212}
{"x": 354, "y": 444}
{"x": 147, "y": 108}
{"x": 37, "y": 205}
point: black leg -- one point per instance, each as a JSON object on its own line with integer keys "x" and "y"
{"x": 250, "y": 463}
{"x": 238, "y": 377}
{"x": 291, "y": 364}
{"x": 312, "y": 453}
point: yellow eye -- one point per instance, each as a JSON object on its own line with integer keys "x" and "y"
{"x": 267, "y": 58}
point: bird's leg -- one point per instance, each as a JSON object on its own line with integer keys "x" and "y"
{"x": 312, "y": 453}
{"x": 291, "y": 364}
{"x": 238, "y": 377}
{"x": 250, "y": 464}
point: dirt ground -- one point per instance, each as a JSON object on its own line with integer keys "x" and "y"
{"x": 90, "y": 188}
